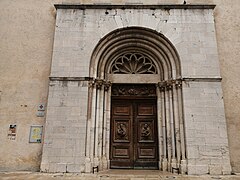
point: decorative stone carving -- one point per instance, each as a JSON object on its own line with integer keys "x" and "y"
{"x": 99, "y": 83}
{"x": 107, "y": 85}
{"x": 91, "y": 84}
{"x": 168, "y": 85}
{"x": 133, "y": 63}
{"x": 133, "y": 90}
{"x": 178, "y": 84}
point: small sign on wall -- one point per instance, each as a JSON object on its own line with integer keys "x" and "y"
{"x": 41, "y": 107}
{"x": 40, "y": 114}
{"x": 36, "y": 134}
{"x": 12, "y": 131}
{"x": 41, "y": 110}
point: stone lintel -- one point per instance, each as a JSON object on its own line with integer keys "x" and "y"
{"x": 134, "y": 6}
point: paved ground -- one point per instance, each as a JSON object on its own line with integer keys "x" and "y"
{"x": 110, "y": 175}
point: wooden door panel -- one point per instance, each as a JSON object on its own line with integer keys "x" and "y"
{"x": 120, "y": 151}
{"x": 121, "y": 110}
{"x": 121, "y": 136}
{"x": 146, "y": 131}
{"x": 147, "y": 152}
{"x": 146, "y": 110}
{"x": 121, "y": 130}
{"x": 146, "y": 146}
{"x": 134, "y": 142}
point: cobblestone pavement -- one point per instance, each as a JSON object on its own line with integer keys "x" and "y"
{"x": 111, "y": 175}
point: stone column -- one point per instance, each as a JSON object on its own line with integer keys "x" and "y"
{"x": 160, "y": 133}
{"x": 98, "y": 123}
{"x": 183, "y": 163}
{"x": 106, "y": 124}
{"x": 163, "y": 125}
{"x": 177, "y": 124}
{"x": 90, "y": 127}
{"x": 172, "y": 119}
{"x": 172, "y": 152}
{"x": 168, "y": 125}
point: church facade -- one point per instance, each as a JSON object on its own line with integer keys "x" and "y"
{"x": 135, "y": 87}
{"x": 131, "y": 86}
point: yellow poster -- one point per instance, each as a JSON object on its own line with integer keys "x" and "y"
{"x": 35, "y": 134}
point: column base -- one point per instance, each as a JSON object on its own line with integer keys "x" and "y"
{"x": 164, "y": 165}
{"x": 104, "y": 164}
{"x": 88, "y": 165}
{"x": 183, "y": 167}
{"x": 174, "y": 166}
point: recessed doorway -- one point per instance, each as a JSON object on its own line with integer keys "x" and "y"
{"x": 134, "y": 136}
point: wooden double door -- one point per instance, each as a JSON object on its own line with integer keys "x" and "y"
{"x": 134, "y": 137}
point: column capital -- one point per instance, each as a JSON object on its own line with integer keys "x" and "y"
{"x": 169, "y": 84}
{"x": 99, "y": 83}
{"x": 178, "y": 83}
{"x": 161, "y": 85}
{"x": 107, "y": 85}
{"x": 91, "y": 84}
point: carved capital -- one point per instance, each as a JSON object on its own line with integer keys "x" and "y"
{"x": 169, "y": 84}
{"x": 162, "y": 85}
{"x": 91, "y": 84}
{"x": 178, "y": 84}
{"x": 99, "y": 83}
{"x": 107, "y": 85}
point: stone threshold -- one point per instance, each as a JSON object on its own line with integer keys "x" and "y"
{"x": 112, "y": 175}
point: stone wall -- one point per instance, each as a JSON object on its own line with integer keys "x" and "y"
{"x": 192, "y": 33}
{"x": 206, "y": 135}
{"x": 27, "y": 30}
{"x": 65, "y": 132}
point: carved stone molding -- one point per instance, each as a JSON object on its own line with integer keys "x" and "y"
{"x": 91, "y": 84}
{"x": 99, "y": 83}
{"x": 133, "y": 90}
{"x": 178, "y": 84}
{"x": 107, "y": 85}
{"x": 168, "y": 85}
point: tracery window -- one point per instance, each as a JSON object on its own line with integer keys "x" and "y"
{"x": 133, "y": 63}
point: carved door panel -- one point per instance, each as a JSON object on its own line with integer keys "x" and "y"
{"x": 146, "y": 141}
{"x": 134, "y": 134}
{"x": 121, "y": 135}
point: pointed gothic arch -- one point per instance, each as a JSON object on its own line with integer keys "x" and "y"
{"x": 129, "y": 48}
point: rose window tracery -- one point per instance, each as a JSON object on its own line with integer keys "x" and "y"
{"x": 133, "y": 63}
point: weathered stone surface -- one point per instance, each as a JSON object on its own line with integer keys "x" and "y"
{"x": 27, "y": 30}
{"x": 202, "y": 93}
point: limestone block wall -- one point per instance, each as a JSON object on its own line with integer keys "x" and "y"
{"x": 192, "y": 33}
{"x": 65, "y": 132}
{"x": 27, "y": 31}
{"x": 206, "y": 135}
{"x": 78, "y": 31}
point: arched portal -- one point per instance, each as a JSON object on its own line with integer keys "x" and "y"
{"x": 129, "y": 62}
